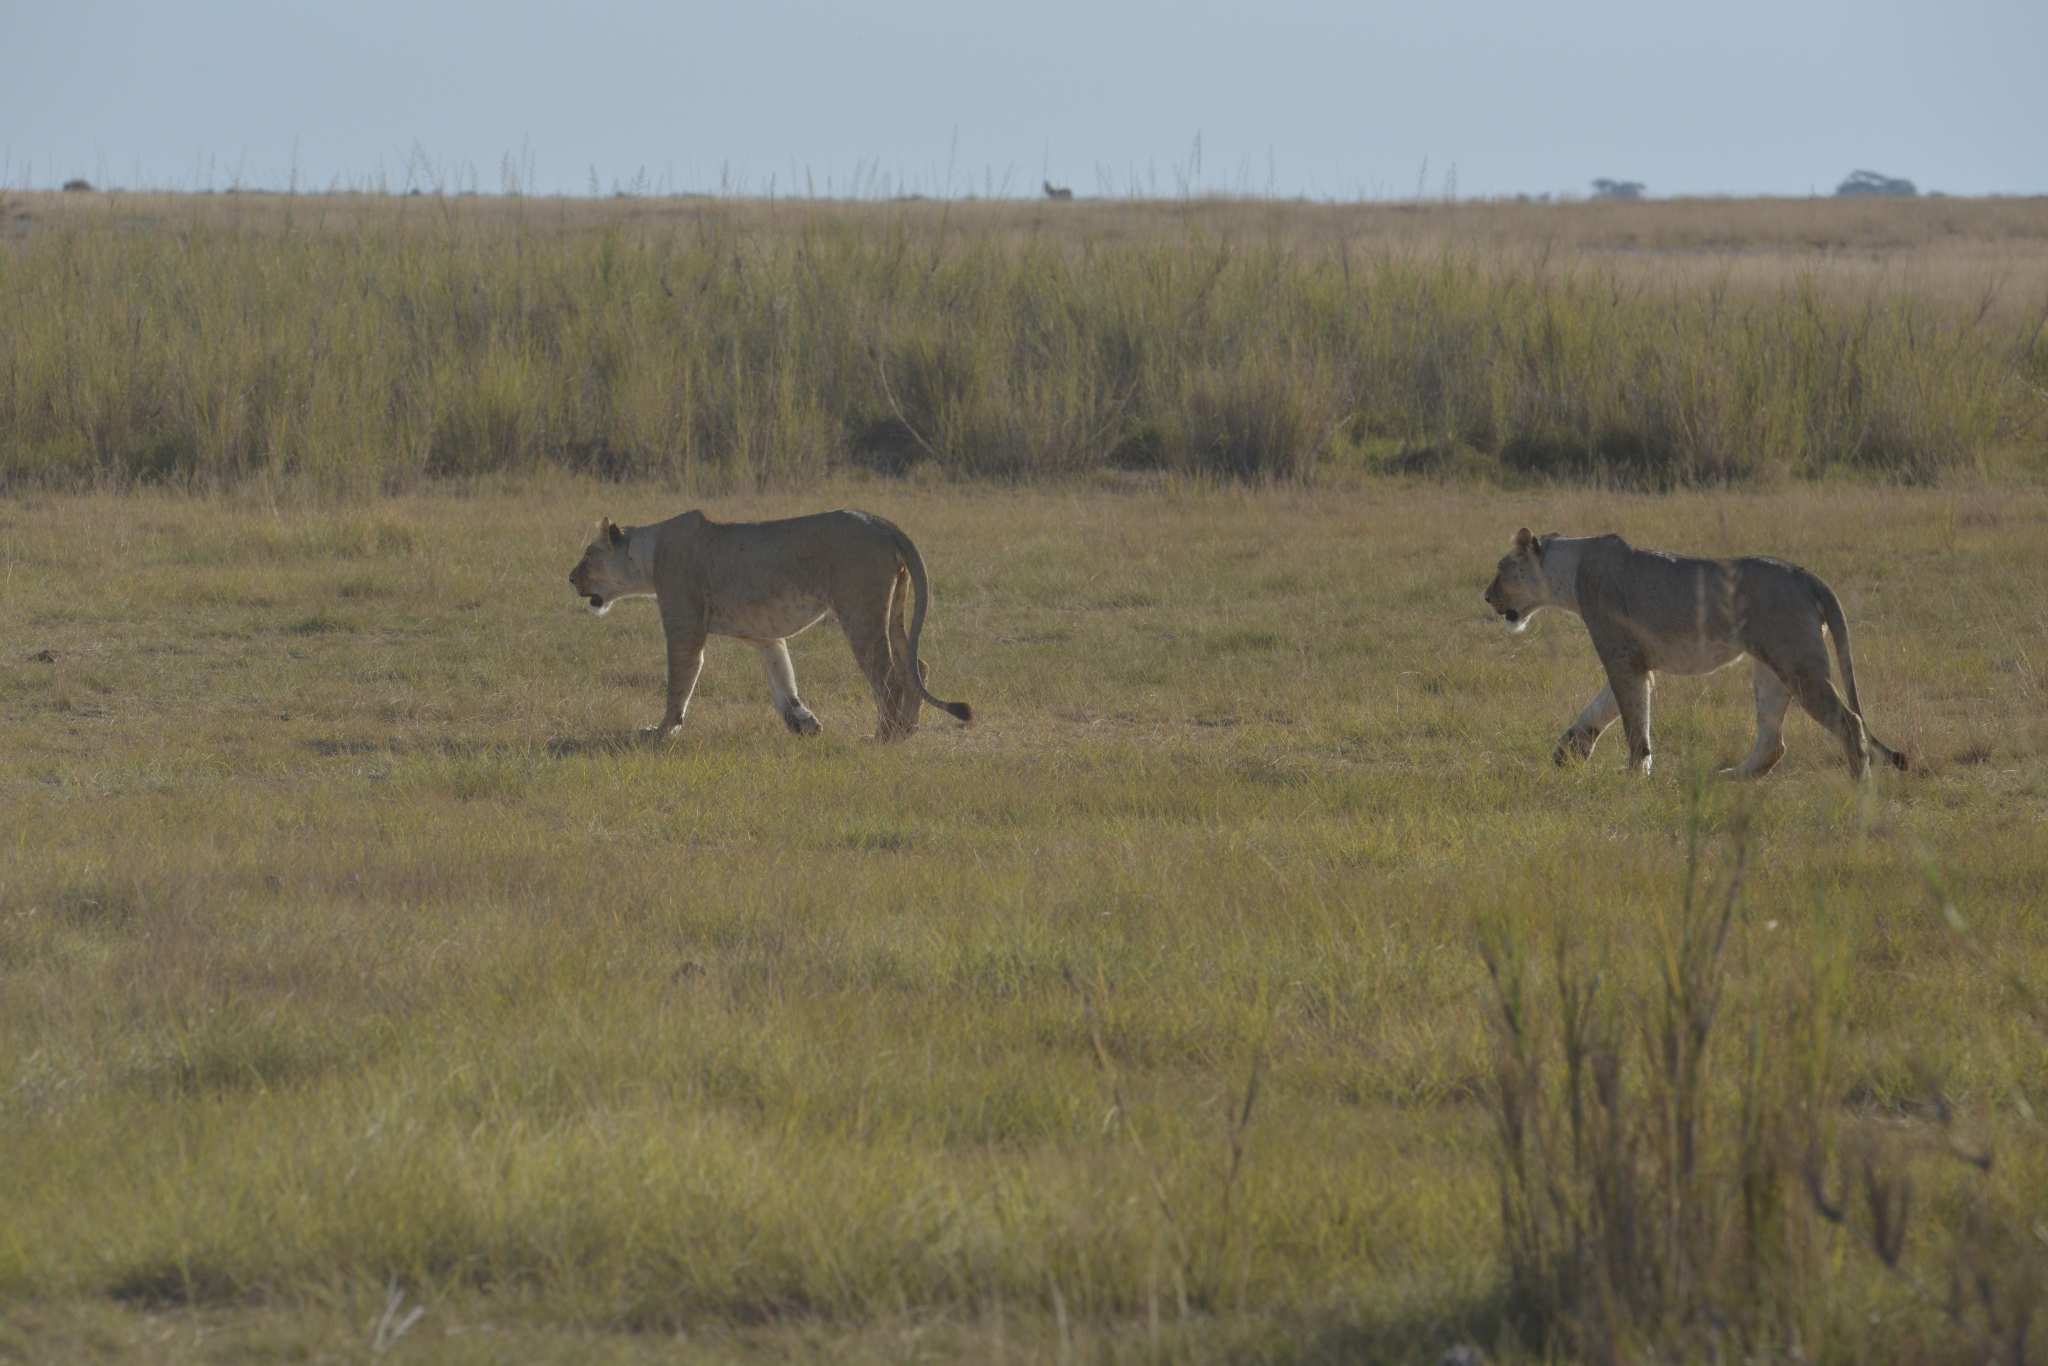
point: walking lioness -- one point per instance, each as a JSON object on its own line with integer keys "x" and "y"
{"x": 765, "y": 582}
{"x": 1647, "y": 610}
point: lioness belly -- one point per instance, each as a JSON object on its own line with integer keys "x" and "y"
{"x": 771, "y": 619}
{"x": 1693, "y": 656}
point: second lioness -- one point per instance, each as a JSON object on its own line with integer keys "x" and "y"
{"x": 765, "y": 582}
{"x": 1648, "y": 610}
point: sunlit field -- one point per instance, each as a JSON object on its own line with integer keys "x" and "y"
{"x": 358, "y": 959}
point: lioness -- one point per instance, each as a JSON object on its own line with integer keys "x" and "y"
{"x": 1648, "y": 610}
{"x": 765, "y": 582}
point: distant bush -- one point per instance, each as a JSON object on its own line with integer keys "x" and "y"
{"x": 379, "y": 343}
{"x": 1872, "y": 182}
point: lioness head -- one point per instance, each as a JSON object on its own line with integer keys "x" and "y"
{"x": 608, "y": 571}
{"x": 1519, "y": 590}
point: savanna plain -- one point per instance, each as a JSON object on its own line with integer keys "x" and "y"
{"x": 1244, "y": 984}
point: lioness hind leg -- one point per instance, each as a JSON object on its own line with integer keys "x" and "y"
{"x": 870, "y": 642}
{"x": 1816, "y": 693}
{"x": 903, "y": 699}
{"x": 1585, "y": 732}
{"x": 782, "y": 682}
{"x": 1773, "y": 699}
{"x": 1632, "y": 697}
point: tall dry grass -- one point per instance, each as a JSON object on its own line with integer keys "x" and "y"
{"x": 369, "y": 343}
{"x": 1686, "y": 1171}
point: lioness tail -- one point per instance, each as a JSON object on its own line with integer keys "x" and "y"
{"x": 920, "y": 592}
{"x": 1838, "y": 627}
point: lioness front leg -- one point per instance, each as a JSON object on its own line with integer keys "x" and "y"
{"x": 1585, "y": 732}
{"x": 782, "y": 682}
{"x": 685, "y": 662}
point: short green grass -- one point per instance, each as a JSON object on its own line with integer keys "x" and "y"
{"x": 351, "y": 942}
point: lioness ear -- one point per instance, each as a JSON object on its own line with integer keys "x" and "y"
{"x": 611, "y": 530}
{"x": 1523, "y": 539}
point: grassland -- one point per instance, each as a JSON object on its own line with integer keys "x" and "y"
{"x": 350, "y": 943}
{"x": 368, "y": 344}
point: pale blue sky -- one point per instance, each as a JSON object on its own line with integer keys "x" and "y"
{"x": 1329, "y": 100}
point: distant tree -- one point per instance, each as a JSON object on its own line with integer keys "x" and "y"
{"x": 1053, "y": 191}
{"x": 1870, "y": 182}
{"x": 1618, "y": 189}
{"x": 78, "y": 184}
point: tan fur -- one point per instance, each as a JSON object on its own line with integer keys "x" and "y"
{"x": 765, "y": 582}
{"x": 1648, "y": 611}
